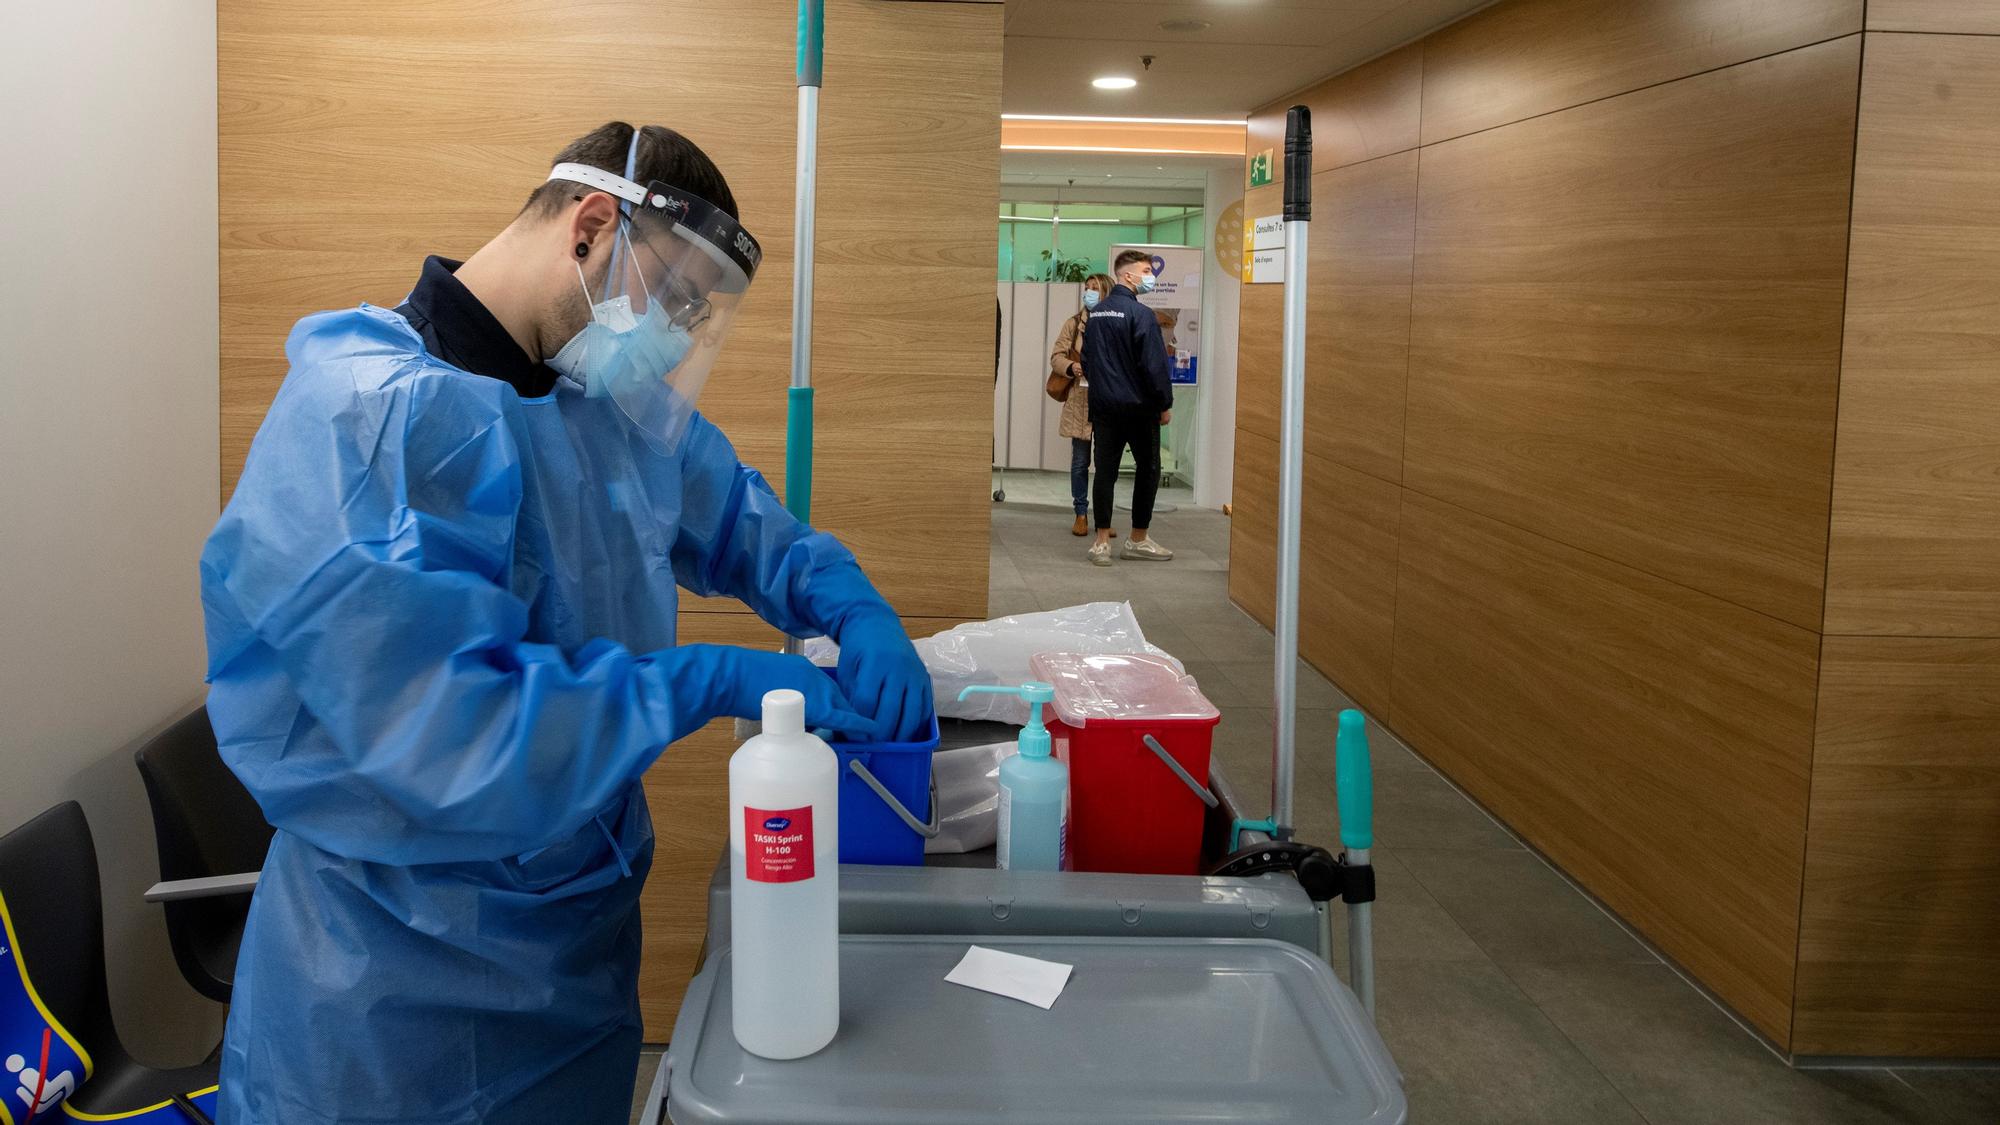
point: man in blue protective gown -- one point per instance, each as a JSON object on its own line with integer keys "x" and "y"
{"x": 440, "y": 613}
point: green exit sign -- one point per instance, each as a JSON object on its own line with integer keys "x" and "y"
{"x": 1260, "y": 169}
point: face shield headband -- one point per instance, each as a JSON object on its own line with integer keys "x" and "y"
{"x": 679, "y": 268}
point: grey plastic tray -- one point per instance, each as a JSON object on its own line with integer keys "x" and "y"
{"x": 965, "y": 895}
{"x": 965, "y": 901}
{"x": 1148, "y": 1032}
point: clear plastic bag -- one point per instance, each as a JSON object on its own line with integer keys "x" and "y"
{"x": 968, "y": 795}
{"x": 996, "y": 652}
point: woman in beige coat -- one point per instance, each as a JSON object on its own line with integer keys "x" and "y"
{"x": 1075, "y": 422}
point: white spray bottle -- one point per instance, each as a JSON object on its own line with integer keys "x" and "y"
{"x": 784, "y": 897}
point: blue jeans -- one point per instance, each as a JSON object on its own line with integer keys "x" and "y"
{"x": 1079, "y": 474}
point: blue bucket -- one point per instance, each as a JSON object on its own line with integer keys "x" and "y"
{"x": 888, "y": 800}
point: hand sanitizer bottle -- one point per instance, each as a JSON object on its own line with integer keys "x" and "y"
{"x": 1034, "y": 792}
{"x": 784, "y": 898}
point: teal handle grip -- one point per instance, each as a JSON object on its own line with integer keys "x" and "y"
{"x": 812, "y": 40}
{"x": 1354, "y": 785}
{"x": 799, "y": 453}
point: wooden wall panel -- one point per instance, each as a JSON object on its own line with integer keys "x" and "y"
{"x": 345, "y": 158}
{"x": 1357, "y": 321}
{"x": 1963, "y": 17}
{"x": 1627, "y": 325}
{"x": 1900, "y": 949}
{"x": 1253, "y": 526}
{"x": 1260, "y": 334}
{"x": 317, "y": 133}
{"x": 1358, "y": 313}
{"x": 1347, "y": 578}
{"x": 1357, "y": 115}
{"x": 1529, "y": 57}
{"x": 1916, "y": 504}
{"x": 1347, "y": 575}
{"x": 1654, "y": 741}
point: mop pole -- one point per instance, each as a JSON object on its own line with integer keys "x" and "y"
{"x": 799, "y": 399}
{"x": 1291, "y": 463}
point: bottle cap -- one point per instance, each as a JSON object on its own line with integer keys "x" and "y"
{"x": 784, "y": 712}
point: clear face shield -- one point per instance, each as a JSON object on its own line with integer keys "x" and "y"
{"x": 678, "y": 271}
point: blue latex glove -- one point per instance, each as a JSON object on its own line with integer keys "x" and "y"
{"x": 739, "y": 677}
{"x": 883, "y": 678}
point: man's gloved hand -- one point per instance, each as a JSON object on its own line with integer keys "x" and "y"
{"x": 883, "y": 678}
{"x": 734, "y": 679}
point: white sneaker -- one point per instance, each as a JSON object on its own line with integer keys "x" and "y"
{"x": 1100, "y": 554}
{"x": 1146, "y": 549}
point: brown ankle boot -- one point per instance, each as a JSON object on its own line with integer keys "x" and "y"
{"x": 1080, "y": 527}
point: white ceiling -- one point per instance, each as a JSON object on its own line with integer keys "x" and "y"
{"x": 1252, "y": 52}
{"x": 1104, "y": 169}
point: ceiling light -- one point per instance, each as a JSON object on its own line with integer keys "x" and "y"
{"x": 1238, "y": 122}
{"x": 1186, "y": 26}
{"x": 1114, "y": 82}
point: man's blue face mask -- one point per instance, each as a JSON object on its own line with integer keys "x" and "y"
{"x": 618, "y": 351}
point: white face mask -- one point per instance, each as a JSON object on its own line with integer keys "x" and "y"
{"x": 612, "y": 346}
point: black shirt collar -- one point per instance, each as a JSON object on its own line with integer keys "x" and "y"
{"x": 464, "y": 333}
{"x": 1121, "y": 287}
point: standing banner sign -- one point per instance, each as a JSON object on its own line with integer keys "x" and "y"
{"x": 1176, "y": 301}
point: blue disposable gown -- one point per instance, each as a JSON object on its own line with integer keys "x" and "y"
{"x": 441, "y": 627}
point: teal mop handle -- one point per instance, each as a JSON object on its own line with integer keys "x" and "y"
{"x": 799, "y": 453}
{"x": 1355, "y": 793}
{"x": 1354, "y": 783}
{"x": 812, "y": 40}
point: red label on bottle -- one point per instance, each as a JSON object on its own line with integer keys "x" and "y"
{"x": 778, "y": 844}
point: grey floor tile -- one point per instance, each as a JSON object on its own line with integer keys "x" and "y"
{"x": 1217, "y": 685}
{"x": 1258, "y": 679}
{"x": 1002, "y": 576}
{"x": 1409, "y": 924}
{"x": 1961, "y": 1096}
{"x": 1414, "y": 808}
{"x": 1006, "y": 603}
{"x": 1475, "y": 1051}
{"x": 1683, "y": 1062}
{"x": 1518, "y": 910}
{"x": 1166, "y": 635}
{"x": 649, "y": 1061}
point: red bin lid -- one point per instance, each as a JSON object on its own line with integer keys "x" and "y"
{"x": 1120, "y": 687}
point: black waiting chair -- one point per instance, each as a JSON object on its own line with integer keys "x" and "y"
{"x": 48, "y": 877}
{"x": 212, "y": 838}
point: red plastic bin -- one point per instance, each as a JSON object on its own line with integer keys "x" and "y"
{"x": 1129, "y": 810}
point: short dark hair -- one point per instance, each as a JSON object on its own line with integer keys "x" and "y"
{"x": 1127, "y": 257}
{"x": 663, "y": 155}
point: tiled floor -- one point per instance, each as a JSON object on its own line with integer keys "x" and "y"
{"x": 1506, "y": 996}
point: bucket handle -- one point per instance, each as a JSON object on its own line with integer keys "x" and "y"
{"x": 928, "y": 831}
{"x": 1200, "y": 790}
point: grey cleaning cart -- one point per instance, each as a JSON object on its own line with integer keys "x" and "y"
{"x": 1193, "y": 999}
{"x": 1149, "y": 1031}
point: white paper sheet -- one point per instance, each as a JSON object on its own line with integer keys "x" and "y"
{"x": 1028, "y": 979}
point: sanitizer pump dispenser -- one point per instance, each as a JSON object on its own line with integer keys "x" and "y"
{"x": 1034, "y": 791}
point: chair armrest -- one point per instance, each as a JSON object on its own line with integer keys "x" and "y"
{"x": 214, "y": 886}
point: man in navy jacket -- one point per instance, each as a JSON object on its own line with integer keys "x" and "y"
{"x": 1131, "y": 397}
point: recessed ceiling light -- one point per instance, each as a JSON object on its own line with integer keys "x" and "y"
{"x": 1114, "y": 82}
{"x": 1185, "y": 25}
